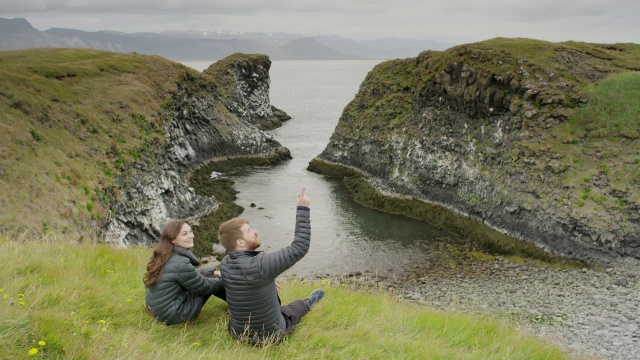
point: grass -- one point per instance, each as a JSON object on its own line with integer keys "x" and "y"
{"x": 602, "y": 138}
{"x": 87, "y": 301}
{"x": 614, "y": 109}
{"x": 73, "y": 121}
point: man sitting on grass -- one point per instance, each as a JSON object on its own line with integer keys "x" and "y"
{"x": 255, "y": 314}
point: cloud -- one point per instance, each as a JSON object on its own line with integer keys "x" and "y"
{"x": 450, "y": 20}
{"x": 229, "y": 7}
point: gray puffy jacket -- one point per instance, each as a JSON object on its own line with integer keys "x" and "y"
{"x": 249, "y": 281}
{"x": 181, "y": 290}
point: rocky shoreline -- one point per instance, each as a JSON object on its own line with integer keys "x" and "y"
{"x": 592, "y": 313}
{"x": 588, "y": 311}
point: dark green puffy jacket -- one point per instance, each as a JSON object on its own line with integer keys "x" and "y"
{"x": 181, "y": 290}
{"x": 249, "y": 280}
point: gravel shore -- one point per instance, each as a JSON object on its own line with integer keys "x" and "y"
{"x": 593, "y": 313}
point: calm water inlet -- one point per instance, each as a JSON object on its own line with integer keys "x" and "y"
{"x": 345, "y": 235}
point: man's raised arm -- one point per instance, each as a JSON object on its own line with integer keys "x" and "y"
{"x": 274, "y": 264}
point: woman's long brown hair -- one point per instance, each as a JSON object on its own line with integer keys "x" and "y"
{"x": 162, "y": 252}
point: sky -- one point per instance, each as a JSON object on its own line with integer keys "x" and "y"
{"x": 449, "y": 21}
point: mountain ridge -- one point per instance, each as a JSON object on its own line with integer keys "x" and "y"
{"x": 16, "y": 34}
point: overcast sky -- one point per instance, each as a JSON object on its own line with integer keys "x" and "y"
{"x": 451, "y": 21}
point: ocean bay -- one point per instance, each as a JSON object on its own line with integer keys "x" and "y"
{"x": 346, "y": 236}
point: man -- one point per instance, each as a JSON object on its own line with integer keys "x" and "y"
{"x": 255, "y": 314}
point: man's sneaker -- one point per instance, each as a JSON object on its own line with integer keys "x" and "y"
{"x": 315, "y": 296}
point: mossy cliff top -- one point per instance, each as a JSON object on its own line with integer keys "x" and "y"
{"x": 481, "y": 79}
{"x": 222, "y": 70}
{"x": 517, "y": 133}
{"x": 75, "y": 122}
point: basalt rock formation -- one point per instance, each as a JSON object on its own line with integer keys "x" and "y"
{"x": 208, "y": 120}
{"x": 246, "y": 82}
{"x": 485, "y": 130}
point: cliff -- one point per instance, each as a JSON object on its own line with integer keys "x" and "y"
{"x": 499, "y": 132}
{"x": 245, "y": 80}
{"x": 101, "y": 144}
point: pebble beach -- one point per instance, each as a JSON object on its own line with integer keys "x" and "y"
{"x": 593, "y": 313}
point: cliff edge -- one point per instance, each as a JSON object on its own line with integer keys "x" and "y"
{"x": 100, "y": 144}
{"x": 505, "y": 132}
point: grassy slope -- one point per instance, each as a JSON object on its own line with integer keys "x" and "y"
{"x": 604, "y": 137}
{"x": 87, "y": 301}
{"x": 71, "y": 121}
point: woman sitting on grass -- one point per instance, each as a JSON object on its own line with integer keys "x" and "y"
{"x": 176, "y": 290}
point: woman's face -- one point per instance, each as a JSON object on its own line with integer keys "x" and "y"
{"x": 184, "y": 238}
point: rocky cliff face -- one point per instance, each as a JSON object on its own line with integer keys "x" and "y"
{"x": 208, "y": 119}
{"x": 247, "y": 81}
{"x": 484, "y": 131}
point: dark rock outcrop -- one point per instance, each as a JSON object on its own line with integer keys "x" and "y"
{"x": 211, "y": 116}
{"x": 246, "y": 80}
{"x": 474, "y": 130}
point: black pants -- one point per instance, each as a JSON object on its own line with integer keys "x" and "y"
{"x": 221, "y": 294}
{"x": 293, "y": 313}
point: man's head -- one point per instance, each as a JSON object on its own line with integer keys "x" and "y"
{"x": 235, "y": 234}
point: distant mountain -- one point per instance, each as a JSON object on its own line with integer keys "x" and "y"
{"x": 307, "y": 48}
{"x": 382, "y": 49}
{"x": 16, "y": 26}
{"x": 171, "y": 47}
{"x": 211, "y": 45}
{"x": 271, "y": 38}
{"x": 19, "y": 34}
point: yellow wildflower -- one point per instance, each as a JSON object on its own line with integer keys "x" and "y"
{"x": 343, "y": 284}
{"x": 42, "y": 343}
{"x": 128, "y": 300}
{"x": 104, "y": 329}
{"x": 102, "y": 321}
{"x": 21, "y": 295}
{"x": 33, "y": 351}
{"x": 6, "y": 296}
{"x": 1, "y": 289}
{"x": 21, "y": 303}
{"x": 196, "y": 344}
{"x": 323, "y": 281}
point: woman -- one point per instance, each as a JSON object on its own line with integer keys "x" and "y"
{"x": 176, "y": 290}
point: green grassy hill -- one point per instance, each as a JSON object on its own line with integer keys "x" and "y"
{"x": 86, "y": 301}
{"x": 72, "y": 120}
{"x": 533, "y": 139}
